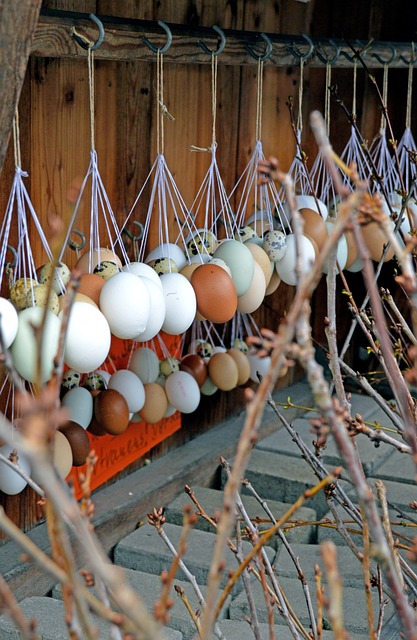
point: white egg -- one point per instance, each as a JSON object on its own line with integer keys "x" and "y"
{"x": 356, "y": 266}
{"x": 88, "y": 338}
{"x": 200, "y": 258}
{"x": 145, "y": 364}
{"x": 79, "y": 403}
{"x": 310, "y": 202}
{"x": 11, "y": 482}
{"x": 157, "y": 310}
{"x": 286, "y": 266}
{"x": 24, "y": 349}
{"x": 125, "y": 302}
{"x": 182, "y": 391}
{"x": 9, "y": 322}
{"x": 258, "y": 365}
{"x": 168, "y": 250}
{"x": 181, "y": 304}
{"x": 342, "y": 251}
{"x": 130, "y": 386}
{"x": 142, "y": 269}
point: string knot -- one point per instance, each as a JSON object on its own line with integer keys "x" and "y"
{"x": 165, "y": 112}
{"x": 211, "y": 149}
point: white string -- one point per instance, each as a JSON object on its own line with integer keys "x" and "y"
{"x": 259, "y": 95}
{"x": 409, "y": 95}
{"x": 384, "y": 99}
{"x": 327, "y": 97}
{"x": 300, "y": 97}
{"x": 355, "y": 73}
{"x": 90, "y": 58}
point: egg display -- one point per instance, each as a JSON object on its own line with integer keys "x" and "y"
{"x": 245, "y": 233}
{"x": 11, "y": 482}
{"x": 223, "y": 371}
{"x": 314, "y": 226}
{"x": 19, "y": 291}
{"x": 144, "y": 363}
{"x": 202, "y": 242}
{"x": 70, "y": 379}
{"x": 195, "y": 365}
{"x": 163, "y": 265}
{"x": 78, "y": 441}
{"x": 125, "y": 303}
{"x": 215, "y": 293}
{"x": 89, "y": 260}
{"x": 9, "y": 322}
{"x": 258, "y": 366}
{"x": 275, "y": 244}
{"x": 106, "y": 269}
{"x": 62, "y": 454}
{"x": 95, "y": 381}
{"x": 208, "y": 388}
{"x": 40, "y": 296}
{"x": 261, "y": 257}
{"x": 181, "y": 303}
{"x": 111, "y": 411}
{"x": 182, "y": 391}
{"x": 201, "y": 348}
{"x": 155, "y": 405}
{"x": 312, "y": 203}
{"x": 375, "y": 241}
{"x": 88, "y": 338}
{"x": 253, "y": 298}
{"x": 274, "y": 283}
{"x": 130, "y": 386}
{"x": 341, "y": 252}
{"x": 242, "y": 363}
{"x": 60, "y": 275}
{"x": 156, "y": 313}
{"x": 91, "y": 285}
{"x": 240, "y": 262}
{"x": 168, "y": 250}
{"x": 286, "y": 266}
{"x": 79, "y": 403}
{"x": 169, "y": 365}
{"x": 144, "y": 270}
{"x": 220, "y": 263}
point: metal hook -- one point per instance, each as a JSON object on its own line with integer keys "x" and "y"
{"x": 130, "y": 235}
{"x": 412, "y": 60}
{"x": 297, "y": 53}
{"x": 99, "y": 40}
{"x": 390, "y": 59}
{"x": 327, "y": 59}
{"x": 14, "y": 252}
{"x": 219, "y": 48}
{"x": 268, "y": 49}
{"x": 166, "y": 46}
{"x": 73, "y": 245}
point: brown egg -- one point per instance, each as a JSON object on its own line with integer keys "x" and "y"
{"x": 215, "y": 292}
{"x": 111, "y": 411}
{"x": 189, "y": 269}
{"x": 274, "y": 283}
{"x": 99, "y": 255}
{"x": 223, "y": 371}
{"x": 352, "y": 249}
{"x": 62, "y": 454}
{"x": 195, "y": 365}
{"x": 261, "y": 258}
{"x": 95, "y": 428}
{"x": 314, "y": 243}
{"x": 314, "y": 226}
{"x": 79, "y": 297}
{"x": 79, "y": 441}
{"x": 243, "y": 366}
{"x": 156, "y": 403}
{"x": 375, "y": 240}
{"x": 91, "y": 285}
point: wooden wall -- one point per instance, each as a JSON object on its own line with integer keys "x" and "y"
{"x": 55, "y": 136}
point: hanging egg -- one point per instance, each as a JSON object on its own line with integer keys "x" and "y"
{"x": 169, "y": 365}
{"x": 182, "y": 391}
{"x": 240, "y": 344}
{"x": 215, "y": 293}
{"x": 195, "y": 365}
{"x": 356, "y": 266}
{"x": 19, "y": 291}
{"x": 95, "y": 381}
{"x": 156, "y": 403}
{"x": 11, "y": 482}
{"x": 208, "y": 388}
{"x": 91, "y": 285}
{"x": 201, "y": 348}
{"x": 40, "y": 296}
{"x": 286, "y": 266}
{"x": 111, "y": 411}
{"x": 261, "y": 222}
{"x": 24, "y": 349}
{"x": 223, "y": 371}
{"x": 189, "y": 269}
{"x": 144, "y": 363}
{"x": 240, "y": 262}
{"x": 201, "y": 258}
{"x": 62, "y": 455}
{"x": 245, "y": 233}
{"x": 70, "y": 379}
{"x": 130, "y": 386}
{"x": 9, "y": 322}
{"x": 89, "y": 260}
{"x": 78, "y": 441}
{"x": 168, "y": 250}
{"x": 261, "y": 257}
{"x": 88, "y": 338}
{"x": 163, "y": 265}
{"x": 342, "y": 251}
{"x": 314, "y": 226}
{"x": 60, "y": 273}
{"x": 181, "y": 303}
{"x": 352, "y": 249}
{"x": 274, "y": 283}
{"x": 143, "y": 269}
{"x": 313, "y": 203}
{"x": 375, "y": 240}
{"x": 258, "y": 365}
{"x": 66, "y": 299}
{"x": 125, "y": 303}
{"x": 156, "y": 313}
{"x": 201, "y": 242}
{"x": 242, "y": 363}
{"x": 220, "y": 263}
{"x": 106, "y": 269}
{"x": 275, "y": 244}
{"x": 79, "y": 403}
{"x": 253, "y": 298}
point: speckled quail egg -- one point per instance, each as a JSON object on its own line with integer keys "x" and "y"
{"x": 19, "y": 291}
{"x": 245, "y": 233}
{"x": 61, "y": 276}
{"x": 169, "y": 365}
{"x": 203, "y": 241}
{"x": 71, "y": 379}
{"x": 163, "y": 265}
{"x": 275, "y": 244}
{"x": 41, "y": 296}
{"x": 107, "y": 269}
{"x": 240, "y": 344}
{"x": 95, "y": 381}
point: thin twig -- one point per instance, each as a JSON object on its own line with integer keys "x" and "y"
{"x": 366, "y": 568}
{"x": 335, "y": 608}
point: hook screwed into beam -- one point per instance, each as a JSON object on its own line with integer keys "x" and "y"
{"x": 168, "y": 43}
{"x": 390, "y": 59}
{"x": 83, "y": 42}
{"x": 299, "y": 54}
{"x": 74, "y": 245}
{"x": 268, "y": 50}
{"x": 325, "y": 58}
{"x": 221, "y": 46}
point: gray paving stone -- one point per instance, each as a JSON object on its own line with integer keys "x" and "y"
{"x": 50, "y": 616}
{"x": 399, "y": 467}
{"x": 398, "y": 493}
{"x": 144, "y": 550}
{"x": 282, "y": 478}
{"x": 211, "y": 500}
{"x": 362, "y": 404}
{"x": 281, "y": 442}
{"x": 354, "y": 606}
{"x": 148, "y": 586}
{"x": 236, "y": 630}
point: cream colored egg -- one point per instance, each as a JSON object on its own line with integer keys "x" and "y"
{"x": 261, "y": 257}
{"x": 145, "y": 364}
{"x": 223, "y": 371}
{"x": 89, "y": 260}
{"x": 253, "y": 298}
{"x": 273, "y": 285}
{"x": 62, "y": 455}
{"x": 243, "y": 366}
{"x": 155, "y": 405}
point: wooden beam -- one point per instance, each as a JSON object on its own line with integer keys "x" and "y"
{"x": 124, "y": 41}
{"x": 18, "y": 22}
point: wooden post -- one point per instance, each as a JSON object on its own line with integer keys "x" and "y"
{"x": 18, "y": 21}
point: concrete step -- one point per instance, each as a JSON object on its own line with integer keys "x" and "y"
{"x": 50, "y": 616}
{"x": 212, "y": 500}
{"x": 354, "y": 606}
{"x": 235, "y": 630}
{"x": 145, "y": 550}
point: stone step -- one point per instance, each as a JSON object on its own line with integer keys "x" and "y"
{"x": 235, "y": 630}
{"x": 145, "y": 550}
{"x": 281, "y": 442}
{"x": 282, "y": 478}
{"x": 148, "y": 586}
{"x": 211, "y": 501}
{"x": 354, "y": 606}
{"x": 50, "y": 616}
{"x": 399, "y": 467}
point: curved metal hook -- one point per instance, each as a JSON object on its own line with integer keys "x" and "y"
{"x": 14, "y": 252}
{"x": 73, "y": 245}
{"x": 219, "y": 48}
{"x": 413, "y": 58}
{"x": 390, "y": 59}
{"x": 297, "y": 53}
{"x": 328, "y": 59}
{"x": 130, "y": 235}
{"x": 268, "y": 50}
{"x": 168, "y": 43}
{"x": 99, "y": 40}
